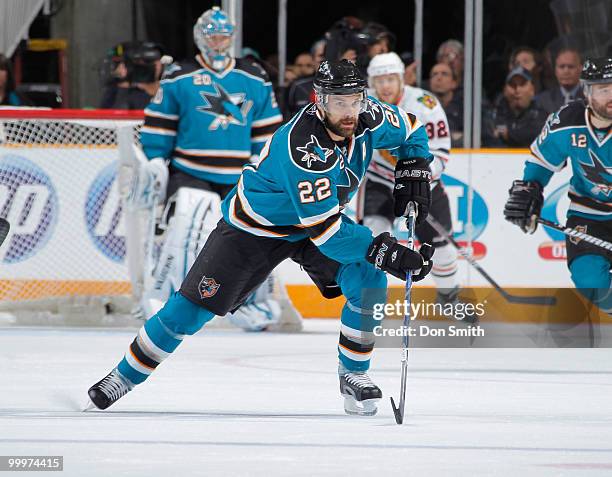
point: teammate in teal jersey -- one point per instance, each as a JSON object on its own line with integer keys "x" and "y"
{"x": 290, "y": 205}
{"x": 581, "y": 133}
{"x": 209, "y": 118}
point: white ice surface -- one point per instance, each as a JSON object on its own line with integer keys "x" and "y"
{"x": 230, "y": 403}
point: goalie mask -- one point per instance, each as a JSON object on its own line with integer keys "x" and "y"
{"x": 213, "y": 34}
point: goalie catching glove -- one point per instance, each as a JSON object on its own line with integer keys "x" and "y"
{"x": 386, "y": 254}
{"x": 412, "y": 184}
{"x": 524, "y": 205}
{"x": 145, "y": 184}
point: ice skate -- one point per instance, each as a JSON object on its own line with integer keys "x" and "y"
{"x": 108, "y": 390}
{"x": 360, "y": 394}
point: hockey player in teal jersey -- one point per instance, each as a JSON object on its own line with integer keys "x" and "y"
{"x": 290, "y": 205}
{"x": 580, "y": 133}
{"x": 210, "y": 115}
{"x": 209, "y": 118}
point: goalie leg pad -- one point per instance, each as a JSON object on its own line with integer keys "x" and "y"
{"x": 261, "y": 311}
{"x": 196, "y": 213}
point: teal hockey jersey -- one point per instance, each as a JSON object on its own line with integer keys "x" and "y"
{"x": 303, "y": 179}
{"x": 209, "y": 123}
{"x": 568, "y": 135}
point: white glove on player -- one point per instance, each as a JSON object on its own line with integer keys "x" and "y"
{"x": 142, "y": 185}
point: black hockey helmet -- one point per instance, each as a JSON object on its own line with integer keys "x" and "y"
{"x": 339, "y": 77}
{"x": 597, "y": 70}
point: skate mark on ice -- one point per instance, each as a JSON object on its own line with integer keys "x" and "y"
{"x": 311, "y": 445}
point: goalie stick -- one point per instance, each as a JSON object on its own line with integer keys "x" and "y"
{"x": 4, "y": 229}
{"x": 399, "y": 411}
{"x": 525, "y": 300}
{"x": 573, "y": 233}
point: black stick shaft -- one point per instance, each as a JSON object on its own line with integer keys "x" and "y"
{"x": 528, "y": 300}
{"x": 4, "y": 229}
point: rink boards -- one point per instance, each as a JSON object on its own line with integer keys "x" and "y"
{"x": 68, "y": 233}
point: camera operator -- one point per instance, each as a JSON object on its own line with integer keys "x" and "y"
{"x": 135, "y": 73}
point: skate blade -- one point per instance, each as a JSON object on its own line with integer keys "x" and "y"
{"x": 369, "y": 407}
{"x": 89, "y": 406}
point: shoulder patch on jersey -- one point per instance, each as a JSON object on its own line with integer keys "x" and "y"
{"x": 310, "y": 146}
{"x": 371, "y": 118}
{"x": 179, "y": 69}
{"x": 252, "y": 68}
{"x": 572, "y": 114}
{"x": 428, "y": 101}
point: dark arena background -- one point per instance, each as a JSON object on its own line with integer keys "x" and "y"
{"x": 285, "y": 134}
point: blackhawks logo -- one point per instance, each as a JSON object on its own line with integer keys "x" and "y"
{"x": 428, "y": 100}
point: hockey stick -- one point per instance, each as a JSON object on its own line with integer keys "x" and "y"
{"x": 399, "y": 411}
{"x": 525, "y": 300}
{"x": 4, "y": 229}
{"x": 576, "y": 234}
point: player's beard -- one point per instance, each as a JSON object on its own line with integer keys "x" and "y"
{"x": 602, "y": 111}
{"x": 344, "y": 127}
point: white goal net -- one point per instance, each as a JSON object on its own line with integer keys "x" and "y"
{"x": 64, "y": 257}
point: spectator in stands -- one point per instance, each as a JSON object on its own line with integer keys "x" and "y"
{"x": 517, "y": 118}
{"x": 304, "y": 65}
{"x": 291, "y": 73}
{"x": 8, "y": 95}
{"x": 410, "y": 68}
{"x": 300, "y": 92}
{"x": 531, "y": 60}
{"x": 317, "y": 50}
{"x": 568, "y": 65}
{"x": 451, "y": 52}
{"x": 443, "y": 83}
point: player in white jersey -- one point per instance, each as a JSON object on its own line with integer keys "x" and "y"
{"x": 385, "y": 75}
{"x": 210, "y": 116}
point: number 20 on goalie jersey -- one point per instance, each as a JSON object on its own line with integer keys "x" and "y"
{"x": 209, "y": 123}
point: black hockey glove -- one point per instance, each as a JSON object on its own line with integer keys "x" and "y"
{"x": 524, "y": 205}
{"x": 388, "y": 255}
{"x": 412, "y": 179}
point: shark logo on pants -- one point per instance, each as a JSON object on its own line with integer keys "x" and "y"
{"x": 208, "y": 287}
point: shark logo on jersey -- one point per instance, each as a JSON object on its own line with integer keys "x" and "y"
{"x": 313, "y": 152}
{"x": 598, "y": 174}
{"x": 372, "y": 109}
{"x": 225, "y": 107}
{"x": 346, "y": 186}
